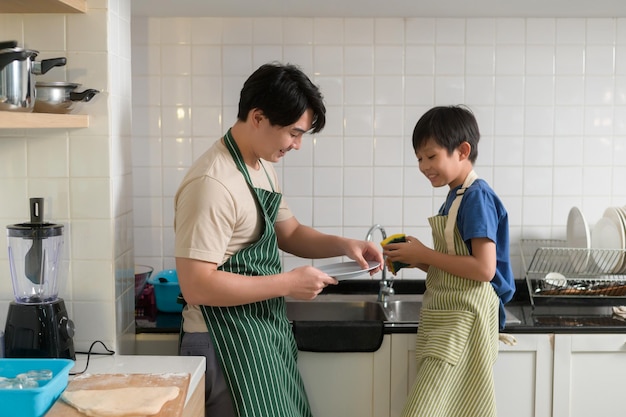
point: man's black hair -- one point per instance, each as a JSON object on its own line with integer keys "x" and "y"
{"x": 283, "y": 93}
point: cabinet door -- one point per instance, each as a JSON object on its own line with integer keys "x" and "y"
{"x": 589, "y": 375}
{"x": 522, "y": 375}
{"x": 350, "y": 384}
{"x": 403, "y": 370}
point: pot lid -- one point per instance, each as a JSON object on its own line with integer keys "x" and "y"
{"x": 57, "y": 84}
{"x": 30, "y": 53}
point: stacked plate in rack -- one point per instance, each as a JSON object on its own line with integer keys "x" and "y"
{"x": 579, "y": 237}
{"x": 610, "y": 233}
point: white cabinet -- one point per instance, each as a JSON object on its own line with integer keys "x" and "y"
{"x": 403, "y": 370}
{"x": 522, "y": 374}
{"x": 589, "y": 373}
{"x": 348, "y": 384}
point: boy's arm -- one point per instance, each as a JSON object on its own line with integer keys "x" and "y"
{"x": 480, "y": 266}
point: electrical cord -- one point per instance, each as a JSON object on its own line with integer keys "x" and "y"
{"x": 108, "y": 352}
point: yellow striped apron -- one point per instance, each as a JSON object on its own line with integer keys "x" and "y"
{"x": 457, "y": 338}
{"x": 254, "y": 342}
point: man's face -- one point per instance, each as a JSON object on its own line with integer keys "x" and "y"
{"x": 276, "y": 141}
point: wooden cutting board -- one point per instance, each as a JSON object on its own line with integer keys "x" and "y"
{"x": 172, "y": 408}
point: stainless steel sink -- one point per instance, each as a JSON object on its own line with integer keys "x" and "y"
{"x": 350, "y": 308}
{"x": 402, "y": 311}
{"x": 399, "y": 311}
{"x": 335, "y": 311}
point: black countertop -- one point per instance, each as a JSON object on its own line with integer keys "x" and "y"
{"x": 562, "y": 318}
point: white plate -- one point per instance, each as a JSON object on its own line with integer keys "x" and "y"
{"x": 555, "y": 279}
{"x": 609, "y": 233}
{"x": 578, "y": 236}
{"x": 622, "y": 212}
{"x": 346, "y": 270}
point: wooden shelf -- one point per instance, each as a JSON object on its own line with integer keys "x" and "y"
{"x": 43, "y": 6}
{"x": 18, "y": 120}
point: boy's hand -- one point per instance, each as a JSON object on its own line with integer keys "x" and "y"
{"x": 409, "y": 252}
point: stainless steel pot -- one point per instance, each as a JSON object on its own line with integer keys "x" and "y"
{"x": 59, "y": 97}
{"x": 17, "y": 70}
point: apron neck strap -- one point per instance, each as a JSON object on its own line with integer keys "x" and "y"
{"x": 232, "y": 147}
{"x": 454, "y": 209}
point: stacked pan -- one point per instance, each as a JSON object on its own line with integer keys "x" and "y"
{"x": 19, "y": 92}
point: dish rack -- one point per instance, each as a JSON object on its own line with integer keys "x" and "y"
{"x": 587, "y": 276}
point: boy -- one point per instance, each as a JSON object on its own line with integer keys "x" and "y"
{"x": 469, "y": 276}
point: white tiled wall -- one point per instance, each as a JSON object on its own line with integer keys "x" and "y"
{"x": 83, "y": 174}
{"x": 549, "y": 95}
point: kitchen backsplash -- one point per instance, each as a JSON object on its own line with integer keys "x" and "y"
{"x": 549, "y": 95}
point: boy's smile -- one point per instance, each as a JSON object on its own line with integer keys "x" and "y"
{"x": 442, "y": 168}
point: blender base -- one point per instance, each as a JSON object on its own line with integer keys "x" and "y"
{"x": 39, "y": 331}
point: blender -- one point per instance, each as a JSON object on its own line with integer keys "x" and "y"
{"x": 37, "y": 325}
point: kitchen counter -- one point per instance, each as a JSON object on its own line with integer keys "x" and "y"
{"x": 135, "y": 364}
{"x": 524, "y": 318}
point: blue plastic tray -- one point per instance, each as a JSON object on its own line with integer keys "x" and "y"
{"x": 33, "y": 402}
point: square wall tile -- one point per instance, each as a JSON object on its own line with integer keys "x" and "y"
{"x": 358, "y": 182}
{"x": 388, "y": 31}
{"x": 327, "y": 181}
{"x": 450, "y": 60}
{"x": 327, "y": 211}
{"x": 359, "y": 31}
{"x": 450, "y": 31}
{"x": 328, "y": 60}
{"x": 83, "y": 204}
{"x": 48, "y": 156}
{"x": 540, "y": 31}
{"x": 93, "y": 23}
{"x": 358, "y": 60}
{"x": 420, "y": 30}
{"x": 44, "y": 32}
{"x": 207, "y": 30}
{"x": 480, "y": 31}
{"x": 328, "y": 31}
{"x": 268, "y": 30}
{"x": 358, "y": 90}
{"x": 600, "y": 31}
{"x": 300, "y": 31}
{"x": 358, "y": 151}
{"x": 298, "y": 181}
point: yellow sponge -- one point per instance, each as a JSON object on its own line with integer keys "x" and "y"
{"x": 394, "y": 267}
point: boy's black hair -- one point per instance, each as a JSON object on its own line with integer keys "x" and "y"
{"x": 448, "y": 126}
{"x": 283, "y": 93}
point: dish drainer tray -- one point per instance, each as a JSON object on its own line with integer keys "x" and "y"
{"x": 557, "y": 274}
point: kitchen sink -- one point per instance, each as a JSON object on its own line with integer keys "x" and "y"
{"x": 402, "y": 311}
{"x": 354, "y": 310}
{"x": 347, "y": 323}
{"x": 351, "y": 310}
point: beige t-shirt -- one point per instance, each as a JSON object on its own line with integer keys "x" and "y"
{"x": 216, "y": 214}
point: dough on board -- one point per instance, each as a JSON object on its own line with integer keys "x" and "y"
{"x": 120, "y": 402}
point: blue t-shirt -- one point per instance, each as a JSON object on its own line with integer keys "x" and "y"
{"x": 482, "y": 215}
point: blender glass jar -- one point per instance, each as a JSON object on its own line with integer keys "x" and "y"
{"x": 34, "y": 255}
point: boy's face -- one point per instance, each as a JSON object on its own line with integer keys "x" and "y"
{"x": 442, "y": 168}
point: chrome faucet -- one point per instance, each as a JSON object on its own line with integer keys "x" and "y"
{"x": 386, "y": 285}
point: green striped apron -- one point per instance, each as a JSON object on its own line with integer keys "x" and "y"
{"x": 254, "y": 342}
{"x": 457, "y": 338}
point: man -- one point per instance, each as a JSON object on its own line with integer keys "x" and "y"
{"x": 230, "y": 222}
